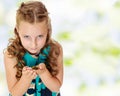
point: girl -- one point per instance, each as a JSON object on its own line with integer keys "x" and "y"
{"x": 33, "y": 60}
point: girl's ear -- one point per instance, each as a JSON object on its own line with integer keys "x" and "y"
{"x": 16, "y": 31}
{"x": 16, "y": 28}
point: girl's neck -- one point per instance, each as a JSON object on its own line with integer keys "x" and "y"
{"x": 33, "y": 55}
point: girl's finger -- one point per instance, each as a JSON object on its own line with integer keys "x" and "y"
{"x": 40, "y": 66}
{"x": 24, "y": 68}
{"x": 29, "y": 68}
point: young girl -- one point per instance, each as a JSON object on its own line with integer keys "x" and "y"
{"x": 33, "y": 60}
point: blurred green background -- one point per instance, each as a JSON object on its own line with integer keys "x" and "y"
{"x": 89, "y": 31}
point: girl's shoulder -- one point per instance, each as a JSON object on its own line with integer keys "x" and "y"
{"x": 9, "y": 59}
{"x": 6, "y": 54}
{"x": 57, "y": 43}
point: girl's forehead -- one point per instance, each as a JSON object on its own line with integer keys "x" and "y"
{"x": 24, "y": 23}
{"x": 32, "y": 27}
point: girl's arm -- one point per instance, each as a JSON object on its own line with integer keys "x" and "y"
{"x": 52, "y": 83}
{"x": 15, "y": 87}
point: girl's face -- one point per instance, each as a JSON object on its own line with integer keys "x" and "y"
{"x": 33, "y": 36}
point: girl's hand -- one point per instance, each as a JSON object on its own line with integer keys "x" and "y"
{"x": 28, "y": 73}
{"x": 41, "y": 68}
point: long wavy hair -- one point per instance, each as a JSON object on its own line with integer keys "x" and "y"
{"x": 33, "y": 12}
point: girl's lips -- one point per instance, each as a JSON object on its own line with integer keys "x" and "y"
{"x": 34, "y": 51}
{"x": 33, "y": 48}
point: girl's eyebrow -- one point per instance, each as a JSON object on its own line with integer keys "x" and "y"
{"x": 24, "y": 34}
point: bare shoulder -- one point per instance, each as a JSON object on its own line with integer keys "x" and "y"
{"x": 6, "y": 54}
{"x": 60, "y": 57}
{"x": 59, "y": 46}
{"x": 9, "y": 58}
{"x": 9, "y": 62}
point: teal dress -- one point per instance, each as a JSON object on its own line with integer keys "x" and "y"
{"x": 37, "y": 87}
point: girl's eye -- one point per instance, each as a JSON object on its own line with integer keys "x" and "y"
{"x": 26, "y": 36}
{"x": 40, "y": 36}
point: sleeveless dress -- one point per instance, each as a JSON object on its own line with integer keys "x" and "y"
{"x": 37, "y": 87}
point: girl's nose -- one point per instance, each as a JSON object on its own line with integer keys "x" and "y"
{"x": 33, "y": 44}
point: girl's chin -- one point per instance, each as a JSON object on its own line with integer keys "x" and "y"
{"x": 33, "y": 53}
